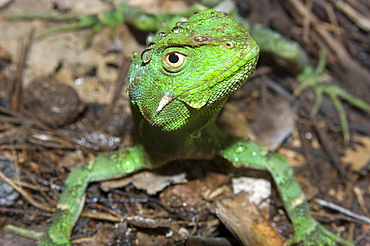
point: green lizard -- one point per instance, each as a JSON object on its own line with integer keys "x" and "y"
{"x": 177, "y": 85}
{"x": 268, "y": 40}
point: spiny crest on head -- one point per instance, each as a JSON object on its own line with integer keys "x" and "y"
{"x": 204, "y": 27}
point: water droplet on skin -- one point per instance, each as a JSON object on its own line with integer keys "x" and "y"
{"x": 176, "y": 29}
{"x": 128, "y": 163}
{"x": 236, "y": 159}
{"x": 240, "y": 149}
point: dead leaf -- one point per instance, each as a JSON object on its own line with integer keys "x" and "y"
{"x": 294, "y": 158}
{"x": 359, "y": 156}
{"x": 246, "y": 223}
{"x": 274, "y": 123}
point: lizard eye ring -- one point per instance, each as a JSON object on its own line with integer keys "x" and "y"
{"x": 174, "y": 60}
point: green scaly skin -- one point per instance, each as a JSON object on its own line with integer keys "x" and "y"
{"x": 177, "y": 86}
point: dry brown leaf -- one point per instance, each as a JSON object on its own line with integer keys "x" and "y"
{"x": 359, "y": 155}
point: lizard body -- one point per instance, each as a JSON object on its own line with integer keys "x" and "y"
{"x": 177, "y": 85}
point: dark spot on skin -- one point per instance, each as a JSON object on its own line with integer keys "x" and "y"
{"x": 175, "y": 29}
{"x": 181, "y": 23}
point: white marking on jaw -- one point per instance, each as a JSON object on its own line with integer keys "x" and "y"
{"x": 166, "y": 99}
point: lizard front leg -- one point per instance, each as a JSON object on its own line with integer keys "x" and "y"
{"x": 109, "y": 166}
{"x": 307, "y": 230}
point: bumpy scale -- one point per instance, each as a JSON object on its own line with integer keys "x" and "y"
{"x": 177, "y": 85}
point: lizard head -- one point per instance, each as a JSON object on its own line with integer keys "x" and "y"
{"x": 183, "y": 78}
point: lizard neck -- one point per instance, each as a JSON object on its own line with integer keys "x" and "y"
{"x": 192, "y": 141}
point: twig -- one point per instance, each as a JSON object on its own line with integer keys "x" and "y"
{"x": 45, "y": 127}
{"x": 25, "y": 194}
{"x": 342, "y": 210}
{"x": 119, "y": 84}
{"x": 360, "y": 20}
{"x": 307, "y": 21}
{"x": 97, "y": 215}
{"x": 362, "y": 237}
{"x": 328, "y": 148}
{"x": 17, "y": 85}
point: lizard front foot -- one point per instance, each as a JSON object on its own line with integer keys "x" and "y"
{"x": 43, "y": 238}
{"x": 315, "y": 234}
{"x": 313, "y": 78}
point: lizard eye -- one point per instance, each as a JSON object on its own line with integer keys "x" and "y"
{"x": 174, "y": 59}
